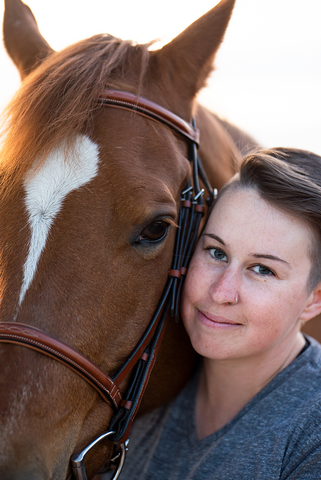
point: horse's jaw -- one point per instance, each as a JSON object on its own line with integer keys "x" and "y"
{"x": 27, "y": 450}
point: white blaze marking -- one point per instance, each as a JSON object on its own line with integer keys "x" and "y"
{"x": 46, "y": 190}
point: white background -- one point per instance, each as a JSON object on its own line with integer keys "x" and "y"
{"x": 268, "y": 70}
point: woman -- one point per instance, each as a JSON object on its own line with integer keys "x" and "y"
{"x": 253, "y": 411}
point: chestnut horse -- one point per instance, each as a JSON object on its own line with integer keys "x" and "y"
{"x": 89, "y": 205}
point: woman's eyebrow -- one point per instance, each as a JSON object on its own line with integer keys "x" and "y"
{"x": 270, "y": 257}
{"x": 215, "y": 237}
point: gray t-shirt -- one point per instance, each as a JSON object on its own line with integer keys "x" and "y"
{"x": 277, "y": 435}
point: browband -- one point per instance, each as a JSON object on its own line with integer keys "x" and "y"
{"x": 149, "y": 109}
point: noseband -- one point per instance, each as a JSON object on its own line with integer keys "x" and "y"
{"x": 142, "y": 359}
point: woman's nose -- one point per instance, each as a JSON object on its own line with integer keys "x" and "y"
{"x": 225, "y": 288}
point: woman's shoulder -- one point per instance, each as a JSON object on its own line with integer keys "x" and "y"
{"x": 305, "y": 385}
{"x": 307, "y": 366}
{"x": 296, "y": 387}
{"x": 302, "y": 441}
{"x": 305, "y": 369}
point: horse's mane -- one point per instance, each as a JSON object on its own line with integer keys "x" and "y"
{"x": 59, "y": 99}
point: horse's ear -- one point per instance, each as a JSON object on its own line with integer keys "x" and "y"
{"x": 188, "y": 59}
{"x": 23, "y": 41}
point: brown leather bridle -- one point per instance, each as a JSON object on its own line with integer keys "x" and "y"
{"x": 143, "y": 357}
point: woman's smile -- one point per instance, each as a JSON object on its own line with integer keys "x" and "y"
{"x": 214, "y": 321}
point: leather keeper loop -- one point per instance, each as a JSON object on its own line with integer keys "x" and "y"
{"x": 183, "y": 271}
{"x": 186, "y": 204}
{"x": 199, "y": 208}
{"x": 126, "y": 404}
{"x": 144, "y": 356}
{"x": 174, "y": 273}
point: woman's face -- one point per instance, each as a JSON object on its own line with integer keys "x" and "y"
{"x": 258, "y": 255}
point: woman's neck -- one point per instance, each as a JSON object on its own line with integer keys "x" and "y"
{"x": 226, "y": 386}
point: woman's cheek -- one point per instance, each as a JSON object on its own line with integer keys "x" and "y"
{"x": 190, "y": 298}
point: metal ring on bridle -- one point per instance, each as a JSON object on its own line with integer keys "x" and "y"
{"x": 77, "y": 460}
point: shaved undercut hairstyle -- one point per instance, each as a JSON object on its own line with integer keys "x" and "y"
{"x": 290, "y": 180}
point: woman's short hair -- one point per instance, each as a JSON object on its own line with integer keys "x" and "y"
{"x": 290, "y": 180}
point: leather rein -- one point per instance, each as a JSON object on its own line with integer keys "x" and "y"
{"x": 142, "y": 359}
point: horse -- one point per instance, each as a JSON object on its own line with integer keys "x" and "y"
{"x": 90, "y": 199}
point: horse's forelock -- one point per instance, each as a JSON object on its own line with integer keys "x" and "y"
{"x": 59, "y": 100}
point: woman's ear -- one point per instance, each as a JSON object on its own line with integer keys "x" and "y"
{"x": 313, "y": 306}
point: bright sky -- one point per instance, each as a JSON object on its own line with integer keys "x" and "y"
{"x": 268, "y": 71}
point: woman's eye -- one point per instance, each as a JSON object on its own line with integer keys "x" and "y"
{"x": 261, "y": 270}
{"x": 218, "y": 254}
{"x": 155, "y": 232}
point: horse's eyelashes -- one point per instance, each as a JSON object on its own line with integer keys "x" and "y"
{"x": 154, "y": 232}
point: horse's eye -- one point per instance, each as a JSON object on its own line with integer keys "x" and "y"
{"x": 154, "y": 232}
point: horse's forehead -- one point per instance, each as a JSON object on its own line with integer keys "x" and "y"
{"x": 143, "y": 185}
{"x": 134, "y": 148}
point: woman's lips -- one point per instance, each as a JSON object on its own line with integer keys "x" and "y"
{"x": 215, "y": 321}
